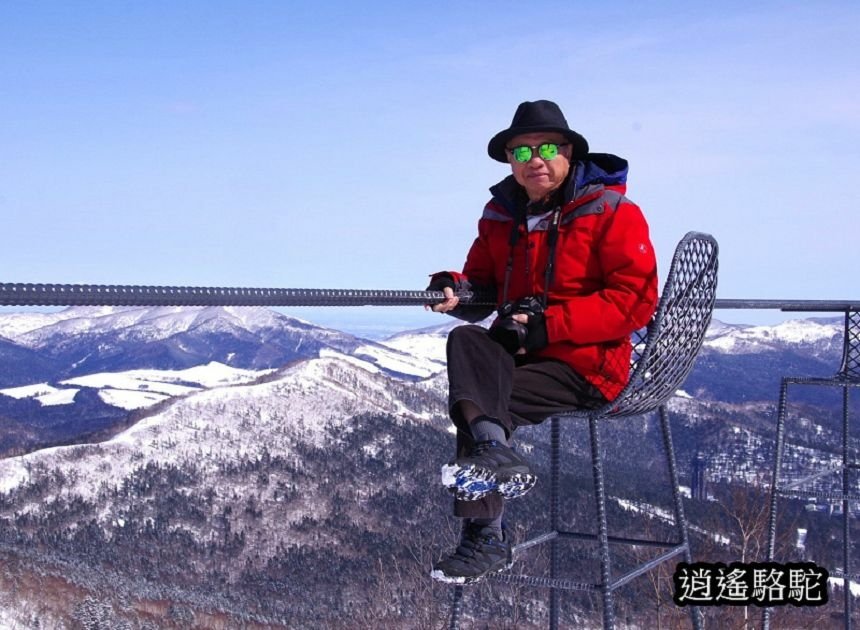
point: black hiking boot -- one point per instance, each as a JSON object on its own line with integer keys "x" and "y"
{"x": 489, "y": 467}
{"x": 481, "y": 551}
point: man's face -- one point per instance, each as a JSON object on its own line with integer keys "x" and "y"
{"x": 539, "y": 176}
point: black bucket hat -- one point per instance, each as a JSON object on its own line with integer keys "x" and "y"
{"x": 533, "y": 116}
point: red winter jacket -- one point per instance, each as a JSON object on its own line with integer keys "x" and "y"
{"x": 604, "y": 285}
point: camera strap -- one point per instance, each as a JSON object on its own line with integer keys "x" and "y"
{"x": 509, "y": 267}
{"x": 552, "y": 242}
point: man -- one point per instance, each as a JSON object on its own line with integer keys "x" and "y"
{"x": 571, "y": 263}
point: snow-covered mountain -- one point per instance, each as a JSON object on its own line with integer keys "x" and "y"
{"x": 135, "y": 389}
{"x": 36, "y": 330}
{"x": 818, "y": 336}
{"x": 741, "y": 363}
{"x": 282, "y": 487}
{"x": 311, "y": 399}
{"x": 75, "y": 372}
{"x": 237, "y": 458}
{"x": 428, "y": 343}
{"x": 86, "y": 340}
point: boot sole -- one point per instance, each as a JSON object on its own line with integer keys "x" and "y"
{"x": 517, "y": 485}
{"x": 471, "y": 483}
{"x": 441, "y": 576}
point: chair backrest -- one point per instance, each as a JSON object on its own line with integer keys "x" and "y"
{"x": 850, "y": 369}
{"x": 664, "y": 354}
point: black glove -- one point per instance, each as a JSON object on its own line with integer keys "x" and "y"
{"x": 513, "y": 335}
{"x": 441, "y": 281}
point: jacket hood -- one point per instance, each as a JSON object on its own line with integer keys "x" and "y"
{"x": 596, "y": 169}
{"x": 601, "y": 168}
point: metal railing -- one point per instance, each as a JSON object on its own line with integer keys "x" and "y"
{"x": 54, "y": 294}
{"x": 810, "y": 306}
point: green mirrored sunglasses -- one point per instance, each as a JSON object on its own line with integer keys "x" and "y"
{"x": 546, "y": 151}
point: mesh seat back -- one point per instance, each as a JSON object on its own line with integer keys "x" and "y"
{"x": 850, "y": 369}
{"x": 664, "y": 353}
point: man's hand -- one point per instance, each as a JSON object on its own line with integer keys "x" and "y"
{"x": 520, "y": 327}
{"x": 450, "y": 303}
{"x": 536, "y": 326}
{"x": 445, "y": 284}
{"x": 522, "y": 318}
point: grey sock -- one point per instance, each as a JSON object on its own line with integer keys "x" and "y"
{"x": 484, "y": 428}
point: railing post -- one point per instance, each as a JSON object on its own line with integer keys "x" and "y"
{"x": 678, "y": 502}
{"x": 774, "y": 489}
{"x": 846, "y": 546}
{"x": 554, "y": 518}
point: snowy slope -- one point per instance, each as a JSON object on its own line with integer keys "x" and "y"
{"x": 721, "y": 337}
{"x": 742, "y": 339}
{"x": 102, "y": 348}
{"x": 261, "y": 336}
{"x": 220, "y": 414}
{"x": 144, "y": 323}
{"x": 45, "y": 394}
{"x": 400, "y": 361}
{"x": 428, "y": 343}
{"x": 311, "y": 402}
{"x": 134, "y": 389}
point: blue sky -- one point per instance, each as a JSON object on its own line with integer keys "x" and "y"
{"x": 343, "y": 145}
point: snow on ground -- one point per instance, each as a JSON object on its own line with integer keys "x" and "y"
{"x": 134, "y": 389}
{"x": 800, "y": 331}
{"x": 328, "y": 353}
{"x": 400, "y": 361}
{"x": 430, "y": 347}
{"x": 30, "y": 391}
{"x": 128, "y": 381}
{"x": 170, "y": 382}
{"x": 13, "y": 325}
{"x": 840, "y": 582}
{"x": 665, "y": 516}
{"x": 213, "y": 374}
{"x": 35, "y": 329}
{"x": 312, "y": 400}
{"x": 746, "y": 339}
{"x": 129, "y": 400}
{"x": 94, "y": 320}
{"x": 10, "y": 618}
{"x": 59, "y": 397}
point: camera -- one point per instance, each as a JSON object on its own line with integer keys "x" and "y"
{"x": 508, "y": 332}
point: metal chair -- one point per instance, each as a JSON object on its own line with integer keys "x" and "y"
{"x": 663, "y": 357}
{"x": 819, "y": 483}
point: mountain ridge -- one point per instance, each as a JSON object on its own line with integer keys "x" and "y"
{"x": 307, "y": 497}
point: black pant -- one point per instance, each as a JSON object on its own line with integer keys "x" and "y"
{"x": 515, "y": 393}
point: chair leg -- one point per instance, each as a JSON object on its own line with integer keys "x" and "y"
{"x": 602, "y": 527}
{"x": 554, "y": 508}
{"x": 680, "y": 517}
{"x": 774, "y": 488}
